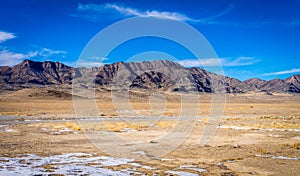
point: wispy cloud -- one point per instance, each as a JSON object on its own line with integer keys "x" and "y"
{"x": 95, "y": 11}
{"x": 200, "y": 62}
{"x": 149, "y": 13}
{"x": 240, "y": 61}
{"x": 212, "y": 19}
{"x": 9, "y": 58}
{"x": 294, "y": 70}
{"x": 98, "y": 59}
{"x": 92, "y": 62}
{"x": 222, "y": 13}
{"x": 89, "y": 64}
{"x": 4, "y": 36}
{"x": 128, "y": 12}
{"x": 225, "y": 62}
{"x": 46, "y": 52}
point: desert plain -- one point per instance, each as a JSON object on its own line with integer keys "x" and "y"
{"x": 257, "y": 134}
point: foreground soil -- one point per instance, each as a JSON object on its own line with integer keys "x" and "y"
{"x": 259, "y": 134}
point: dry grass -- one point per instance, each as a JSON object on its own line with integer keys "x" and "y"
{"x": 166, "y": 124}
{"x": 204, "y": 120}
{"x": 118, "y": 126}
{"x": 113, "y": 126}
{"x": 73, "y": 126}
{"x": 296, "y": 145}
{"x": 21, "y": 104}
{"x": 277, "y": 125}
{"x": 263, "y": 151}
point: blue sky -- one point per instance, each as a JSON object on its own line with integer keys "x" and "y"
{"x": 252, "y": 38}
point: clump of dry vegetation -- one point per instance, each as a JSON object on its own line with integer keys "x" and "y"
{"x": 73, "y": 126}
{"x": 166, "y": 124}
{"x": 263, "y": 151}
{"x": 118, "y": 126}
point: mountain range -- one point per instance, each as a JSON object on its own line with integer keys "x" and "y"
{"x": 160, "y": 74}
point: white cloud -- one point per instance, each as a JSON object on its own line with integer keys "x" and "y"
{"x": 225, "y": 62}
{"x": 128, "y": 11}
{"x": 9, "y": 58}
{"x": 6, "y": 36}
{"x": 98, "y": 59}
{"x": 46, "y": 52}
{"x": 92, "y": 62}
{"x": 240, "y": 61}
{"x": 94, "y": 12}
{"x": 89, "y": 64}
{"x": 148, "y": 13}
{"x": 294, "y": 70}
{"x": 200, "y": 62}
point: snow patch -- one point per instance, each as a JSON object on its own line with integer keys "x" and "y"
{"x": 192, "y": 167}
{"x": 277, "y": 157}
{"x": 275, "y": 135}
{"x": 180, "y": 173}
{"x": 139, "y": 152}
{"x": 127, "y": 130}
{"x": 66, "y": 164}
{"x": 257, "y": 129}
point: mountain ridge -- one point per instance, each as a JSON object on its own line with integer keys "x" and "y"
{"x": 138, "y": 75}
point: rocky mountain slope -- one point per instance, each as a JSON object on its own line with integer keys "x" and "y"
{"x": 161, "y": 74}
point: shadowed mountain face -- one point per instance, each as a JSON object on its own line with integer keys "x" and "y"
{"x": 162, "y": 75}
{"x": 152, "y": 80}
{"x": 36, "y": 73}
